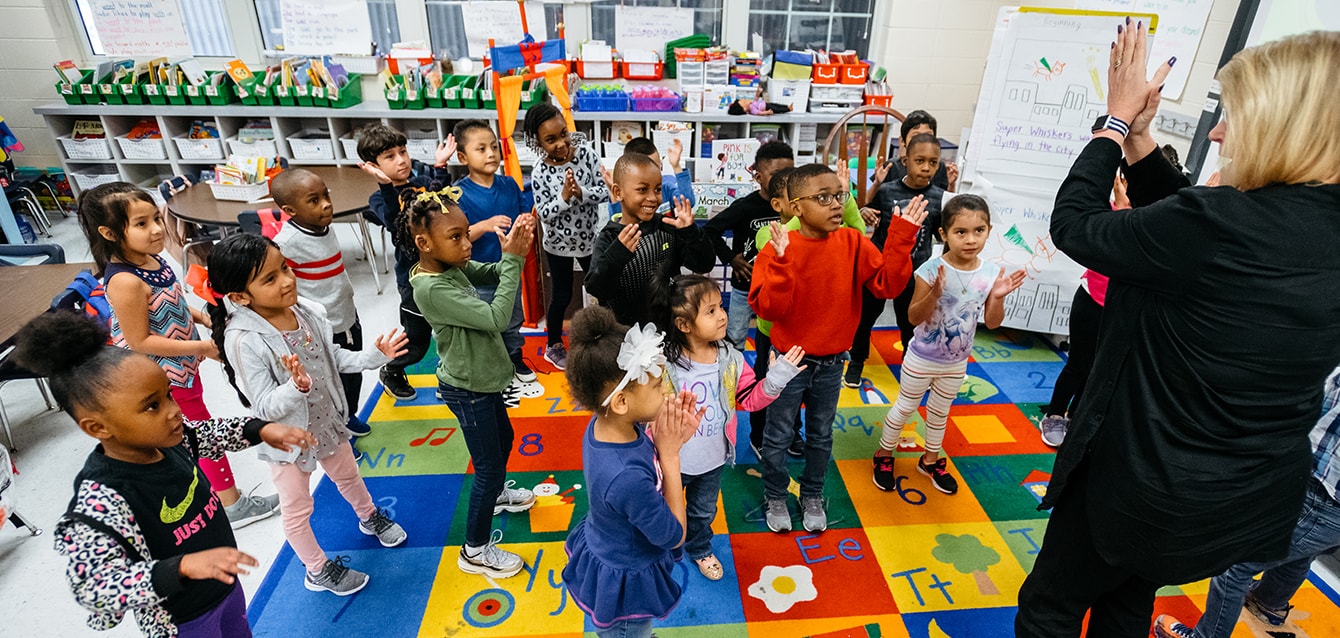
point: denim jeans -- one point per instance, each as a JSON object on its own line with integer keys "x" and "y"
{"x": 737, "y": 318}
{"x": 818, "y": 387}
{"x": 1318, "y": 532}
{"x": 700, "y": 496}
{"x": 488, "y": 436}
{"x": 640, "y": 628}
{"x": 511, "y": 337}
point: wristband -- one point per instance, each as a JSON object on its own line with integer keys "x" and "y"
{"x": 1111, "y": 123}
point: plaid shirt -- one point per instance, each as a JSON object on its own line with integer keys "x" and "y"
{"x": 1326, "y": 437}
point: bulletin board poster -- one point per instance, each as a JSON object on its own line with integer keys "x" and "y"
{"x": 732, "y": 160}
{"x": 500, "y": 21}
{"x": 1181, "y": 23}
{"x": 1045, "y": 84}
{"x": 325, "y": 27}
{"x": 649, "y": 28}
{"x": 137, "y": 27}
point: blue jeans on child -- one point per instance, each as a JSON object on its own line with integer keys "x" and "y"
{"x": 700, "y": 498}
{"x": 627, "y": 629}
{"x": 818, "y": 387}
{"x": 512, "y": 338}
{"x": 488, "y": 436}
{"x": 737, "y": 318}
{"x": 1318, "y": 532}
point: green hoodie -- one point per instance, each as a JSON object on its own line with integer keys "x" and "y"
{"x": 468, "y": 330}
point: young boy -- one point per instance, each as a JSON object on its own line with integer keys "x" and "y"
{"x": 491, "y": 203}
{"x": 808, "y": 282}
{"x": 916, "y": 123}
{"x": 642, "y": 243}
{"x": 383, "y": 154}
{"x": 920, "y": 163}
{"x": 313, "y": 252}
{"x": 743, "y": 219}
{"x": 678, "y": 182}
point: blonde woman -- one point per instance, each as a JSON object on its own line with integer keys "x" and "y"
{"x": 1190, "y": 452}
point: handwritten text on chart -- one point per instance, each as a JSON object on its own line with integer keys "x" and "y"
{"x": 140, "y": 27}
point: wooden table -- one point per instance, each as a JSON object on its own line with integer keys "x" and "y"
{"x": 349, "y": 190}
{"x": 27, "y": 292}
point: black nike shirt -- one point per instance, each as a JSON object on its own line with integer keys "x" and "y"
{"x": 177, "y": 513}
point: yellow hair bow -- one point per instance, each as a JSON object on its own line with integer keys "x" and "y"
{"x": 451, "y": 193}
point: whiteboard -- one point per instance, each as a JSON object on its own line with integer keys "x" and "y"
{"x": 136, "y": 27}
{"x": 650, "y": 28}
{"x": 326, "y": 27}
{"x": 1045, "y": 83}
{"x": 500, "y": 21}
{"x": 1181, "y": 23}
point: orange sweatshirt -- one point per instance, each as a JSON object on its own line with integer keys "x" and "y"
{"x": 812, "y": 294}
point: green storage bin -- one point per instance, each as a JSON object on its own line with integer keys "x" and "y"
{"x": 88, "y": 91}
{"x": 351, "y": 94}
{"x": 471, "y": 94}
{"x": 70, "y": 92}
{"x": 246, "y": 90}
{"x": 153, "y": 93}
{"x": 284, "y": 95}
{"x": 395, "y": 95}
{"x": 265, "y": 95}
{"x": 220, "y": 94}
{"x": 432, "y": 97}
{"x": 176, "y": 94}
{"x": 302, "y": 96}
{"x": 451, "y": 90}
{"x": 111, "y": 93}
{"x": 533, "y": 92}
{"x": 195, "y": 95}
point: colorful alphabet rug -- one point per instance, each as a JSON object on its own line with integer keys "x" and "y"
{"x": 909, "y": 563}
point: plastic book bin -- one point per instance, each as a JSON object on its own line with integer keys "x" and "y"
{"x": 349, "y": 95}
{"x": 656, "y": 103}
{"x": 533, "y": 92}
{"x": 432, "y": 96}
{"x": 70, "y": 92}
{"x": 246, "y": 90}
{"x": 284, "y": 96}
{"x": 153, "y": 93}
{"x": 195, "y": 95}
{"x": 176, "y": 94}
{"x": 302, "y": 95}
{"x": 111, "y": 93}
{"x": 451, "y": 90}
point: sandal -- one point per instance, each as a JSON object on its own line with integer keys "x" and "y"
{"x": 710, "y": 567}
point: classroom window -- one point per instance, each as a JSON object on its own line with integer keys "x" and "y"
{"x": 381, "y": 17}
{"x": 446, "y": 26}
{"x": 706, "y": 19}
{"x": 204, "y": 21}
{"x": 833, "y": 25}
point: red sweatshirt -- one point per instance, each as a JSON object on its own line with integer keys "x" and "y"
{"x": 812, "y": 294}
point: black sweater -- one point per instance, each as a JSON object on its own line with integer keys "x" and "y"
{"x": 619, "y": 278}
{"x": 742, "y": 219}
{"x": 1220, "y": 327}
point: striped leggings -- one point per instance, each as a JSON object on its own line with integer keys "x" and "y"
{"x": 919, "y": 375}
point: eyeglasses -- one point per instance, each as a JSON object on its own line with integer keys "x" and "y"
{"x": 826, "y": 199}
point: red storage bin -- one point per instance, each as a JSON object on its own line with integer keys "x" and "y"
{"x": 598, "y": 70}
{"x": 643, "y": 70}
{"x": 879, "y": 100}
{"x": 853, "y": 73}
{"x": 827, "y": 73}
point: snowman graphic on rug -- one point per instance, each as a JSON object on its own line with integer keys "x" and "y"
{"x": 553, "y": 506}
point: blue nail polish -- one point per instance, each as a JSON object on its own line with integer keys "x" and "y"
{"x": 1172, "y": 60}
{"x": 1118, "y": 29}
{"x": 1140, "y": 24}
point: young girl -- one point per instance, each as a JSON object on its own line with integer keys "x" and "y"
{"x": 143, "y": 533}
{"x": 702, "y": 362}
{"x": 283, "y": 349}
{"x": 150, "y": 315}
{"x": 954, "y": 292}
{"x": 621, "y": 557}
{"x": 568, "y": 191}
{"x": 469, "y": 346}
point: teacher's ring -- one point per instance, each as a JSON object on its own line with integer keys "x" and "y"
{"x": 1117, "y": 65}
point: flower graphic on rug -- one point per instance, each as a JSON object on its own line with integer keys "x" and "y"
{"x": 782, "y": 587}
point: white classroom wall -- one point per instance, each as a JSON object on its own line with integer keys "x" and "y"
{"x": 935, "y": 51}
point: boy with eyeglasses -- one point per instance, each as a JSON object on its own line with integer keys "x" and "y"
{"x": 808, "y": 282}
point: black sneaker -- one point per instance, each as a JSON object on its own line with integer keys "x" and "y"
{"x": 358, "y": 454}
{"x": 1272, "y": 617}
{"x": 524, "y": 374}
{"x": 395, "y": 383}
{"x": 852, "y": 379}
{"x": 939, "y": 475}
{"x": 358, "y": 427}
{"x": 797, "y": 449}
{"x": 883, "y": 474}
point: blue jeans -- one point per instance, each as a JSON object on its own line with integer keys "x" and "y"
{"x": 818, "y": 387}
{"x": 627, "y": 629}
{"x": 511, "y": 337}
{"x": 737, "y": 318}
{"x": 1318, "y": 532}
{"x": 488, "y": 436}
{"x": 700, "y": 496}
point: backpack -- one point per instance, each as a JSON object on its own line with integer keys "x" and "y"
{"x": 86, "y": 294}
{"x": 272, "y": 221}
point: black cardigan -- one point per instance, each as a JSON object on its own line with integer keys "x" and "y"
{"x": 1221, "y": 325}
{"x": 620, "y": 279}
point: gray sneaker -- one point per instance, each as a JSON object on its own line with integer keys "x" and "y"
{"x": 389, "y": 532}
{"x": 336, "y": 578}
{"x": 557, "y": 355}
{"x": 814, "y": 518}
{"x": 779, "y": 518}
{"x": 1053, "y": 430}
{"x": 249, "y": 509}
{"x": 513, "y": 499}
{"x": 489, "y": 560}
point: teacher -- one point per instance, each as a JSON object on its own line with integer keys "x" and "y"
{"x": 1189, "y": 452}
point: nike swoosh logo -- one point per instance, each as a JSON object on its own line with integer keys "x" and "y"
{"x": 170, "y": 515}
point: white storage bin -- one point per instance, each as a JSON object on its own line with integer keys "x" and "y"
{"x": 145, "y": 149}
{"x": 89, "y": 149}
{"x": 421, "y": 144}
{"x": 691, "y": 75}
{"x": 311, "y": 148}
{"x": 208, "y": 148}
{"x": 835, "y": 98}
{"x": 256, "y": 148}
{"x": 350, "y": 147}
{"x": 239, "y": 192}
{"x": 87, "y": 180}
{"x": 793, "y": 93}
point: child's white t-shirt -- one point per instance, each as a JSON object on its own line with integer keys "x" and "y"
{"x": 706, "y": 451}
{"x": 947, "y": 336}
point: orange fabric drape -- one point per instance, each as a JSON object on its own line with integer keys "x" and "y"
{"x": 507, "y": 90}
{"x": 556, "y": 78}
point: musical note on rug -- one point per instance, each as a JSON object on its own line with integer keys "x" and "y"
{"x": 434, "y": 442}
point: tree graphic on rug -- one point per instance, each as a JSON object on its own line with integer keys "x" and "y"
{"x": 968, "y": 555}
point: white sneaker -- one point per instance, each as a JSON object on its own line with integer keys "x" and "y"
{"x": 527, "y": 389}
{"x": 489, "y": 560}
{"x": 513, "y": 499}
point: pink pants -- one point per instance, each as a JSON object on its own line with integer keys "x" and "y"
{"x": 192, "y": 403}
{"x": 295, "y": 501}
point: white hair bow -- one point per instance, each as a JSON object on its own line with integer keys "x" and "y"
{"x": 640, "y": 357}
